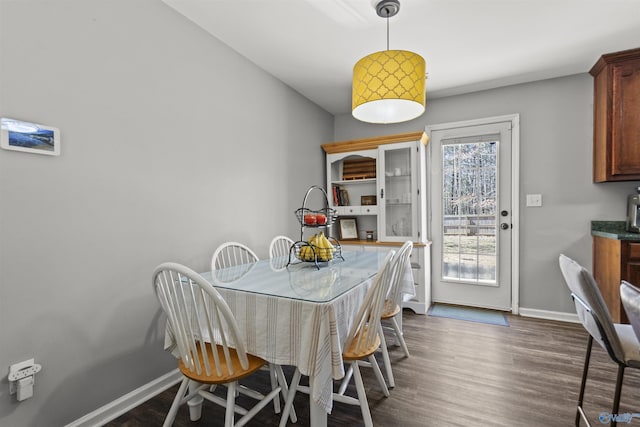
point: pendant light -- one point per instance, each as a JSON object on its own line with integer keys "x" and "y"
{"x": 388, "y": 86}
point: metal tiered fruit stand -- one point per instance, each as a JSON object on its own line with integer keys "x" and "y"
{"x": 317, "y": 251}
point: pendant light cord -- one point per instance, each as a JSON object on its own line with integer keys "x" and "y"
{"x": 387, "y": 10}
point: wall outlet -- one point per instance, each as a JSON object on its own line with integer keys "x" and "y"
{"x": 25, "y": 388}
{"x": 19, "y": 371}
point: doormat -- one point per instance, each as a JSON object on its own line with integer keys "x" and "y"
{"x": 471, "y": 314}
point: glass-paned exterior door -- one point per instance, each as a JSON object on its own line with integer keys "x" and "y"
{"x": 469, "y": 217}
{"x": 471, "y": 223}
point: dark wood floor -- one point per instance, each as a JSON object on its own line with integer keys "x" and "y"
{"x": 461, "y": 373}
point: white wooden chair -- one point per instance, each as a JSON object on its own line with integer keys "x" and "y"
{"x": 392, "y": 309}
{"x": 234, "y": 254}
{"x": 618, "y": 340}
{"x": 362, "y": 342}
{"x": 280, "y": 246}
{"x": 231, "y": 254}
{"x": 392, "y": 312}
{"x": 197, "y": 315}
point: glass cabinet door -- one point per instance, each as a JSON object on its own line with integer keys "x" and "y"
{"x": 398, "y": 191}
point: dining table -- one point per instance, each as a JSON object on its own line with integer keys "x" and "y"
{"x": 299, "y": 313}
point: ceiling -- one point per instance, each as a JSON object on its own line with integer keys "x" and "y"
{"x": 469, "y": 45}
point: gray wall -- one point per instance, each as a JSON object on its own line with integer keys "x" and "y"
{"x": 555, "y": 161}
{"x": 171, "y": 144}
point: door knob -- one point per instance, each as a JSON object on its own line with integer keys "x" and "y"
{"x": 504, "y": 226}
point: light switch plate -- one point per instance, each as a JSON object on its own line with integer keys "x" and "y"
{"x": 534, "y": 200}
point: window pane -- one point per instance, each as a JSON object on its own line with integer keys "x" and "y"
{"x": 469, "y": 211}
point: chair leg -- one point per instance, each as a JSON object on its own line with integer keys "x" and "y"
{"x": 195, "y": 403}
{"x": 385, "y": 357}
{"x": 173, "y": 411}
{"x": 284, "y": 389}
{"x": 231, "y": 403}
{"x": 398, "y": 318}
{"x": 293, "y": 387}
{"x": 399, "y": 336}
{"x": 274, "y": 384}
{"x": 345, "y": 380}
{"x": 616, "y": 397}
{"x": 378, "y": 373}
{"x": 362, "y": 396}
{"x": 585, "y": 370}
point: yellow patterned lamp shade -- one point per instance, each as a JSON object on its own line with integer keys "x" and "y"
{"x": 388, "y": 87}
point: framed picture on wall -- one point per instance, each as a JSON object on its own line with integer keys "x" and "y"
{"x": 29, "y": 137}
{"x": 348, "y": 228}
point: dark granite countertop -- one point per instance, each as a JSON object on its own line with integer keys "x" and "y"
{"x": 612, "y": 230}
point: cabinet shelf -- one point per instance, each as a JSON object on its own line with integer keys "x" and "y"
{"x": 357, "y": 210}
{"x": 355, "y": 181}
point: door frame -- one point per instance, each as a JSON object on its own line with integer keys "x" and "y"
{"x": 515, "y": 191}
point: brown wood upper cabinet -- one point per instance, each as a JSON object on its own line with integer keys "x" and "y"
{"x": 616, "y": 113}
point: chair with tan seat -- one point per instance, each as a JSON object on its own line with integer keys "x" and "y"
{"x": 618, "y": 340}
{"x": 392, "y": 309}
{"x": 362, "y": 342}
{"x": 207, "y": 341}
{"x": 391, "y": 313}
{"x": 234, "y": 254}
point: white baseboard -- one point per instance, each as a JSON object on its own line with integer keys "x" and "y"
{"x": 113, "y": 410}
{"x": 549, "y": 315}
{"x": 417, "y": 307}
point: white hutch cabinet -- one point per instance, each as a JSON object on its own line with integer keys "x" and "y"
{"x": 381, "y": 183}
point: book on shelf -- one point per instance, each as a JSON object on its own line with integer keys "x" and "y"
{"x": 340, "y": 196}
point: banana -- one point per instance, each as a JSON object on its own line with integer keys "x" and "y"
{"x": 306, "y": 253}
{"x": 326, "y": 248}
{"x": 316, "y": 243}
{"x": 319, "y": 247}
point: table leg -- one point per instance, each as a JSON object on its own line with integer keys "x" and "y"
{"x": 317, "y": 414}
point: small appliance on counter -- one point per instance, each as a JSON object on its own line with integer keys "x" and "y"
{"x": 633, "y": 212}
